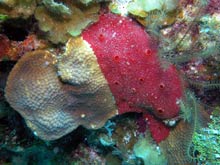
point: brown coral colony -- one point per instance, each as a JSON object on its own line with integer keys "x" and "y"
{"x": 50, "y": 107}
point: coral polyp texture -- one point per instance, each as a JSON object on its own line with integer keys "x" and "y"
{"x": 18, "y": 8}
{"x": 78, "y": 66}
{"x": 111, "y": 69}
{"x": 33, "y": 90}
{"x": 60, "y": 27}
{"x": 50, "y": 108}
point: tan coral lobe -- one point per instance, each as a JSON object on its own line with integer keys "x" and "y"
{"x": 79, "y": 67}
{"x": 52, "y": 108}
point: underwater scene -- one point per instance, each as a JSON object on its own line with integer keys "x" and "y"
{"x": 109, "y": 82}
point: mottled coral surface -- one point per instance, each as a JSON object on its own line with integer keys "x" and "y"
{"x": 52, "y": 108}
{"x": 128, "y": 59}
{"x": 112, "y": 69}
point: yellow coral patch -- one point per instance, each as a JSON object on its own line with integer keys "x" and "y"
{"x": 79, "y": 66}
{"x": 17, "y": 8}
{"x": 61, "y": 27}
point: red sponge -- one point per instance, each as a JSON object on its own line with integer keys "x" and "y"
{"x": 128, "y": 59}
{"x": 159, "y": 131}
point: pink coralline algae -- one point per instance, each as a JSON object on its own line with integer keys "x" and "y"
{"x": 213, "y": 6}
{"x": 4, "y": 45}
{"x": 13, "y": 50}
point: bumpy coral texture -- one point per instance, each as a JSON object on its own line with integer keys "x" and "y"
{"x": 17, "y": 8}
{"x": 128, "y": 59}
{"x": 78, "y": 66}
{"x": 51, "y": 108}
{"x": 114, "y": 57}
{"x": 178, "y": 146}
{"x": 60, "y": 29}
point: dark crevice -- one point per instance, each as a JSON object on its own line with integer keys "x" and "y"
{"x": 17, "y": 29}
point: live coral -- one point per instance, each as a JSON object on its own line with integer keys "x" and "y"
{"x": 18, "y": 8}
{"x": 113, "y": 57}
{"x": 60, "y": 29}
{"x": 52, "y": 108}
{"x": 178, "y": 146}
